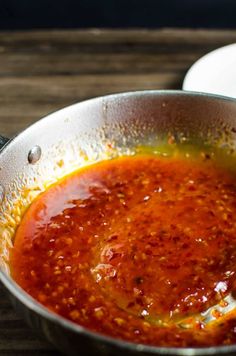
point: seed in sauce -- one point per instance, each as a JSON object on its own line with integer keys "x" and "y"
{"x": 141, "y": 248}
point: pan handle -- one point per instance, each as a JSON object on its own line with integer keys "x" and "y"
{"x": 3, "y": 141}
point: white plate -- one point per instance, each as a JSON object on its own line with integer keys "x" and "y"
{"x": 214, "y": 73}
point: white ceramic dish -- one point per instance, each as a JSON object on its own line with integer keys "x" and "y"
{"x": 214, "y": 73}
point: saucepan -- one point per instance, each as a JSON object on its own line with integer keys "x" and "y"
{"x": 78, "y": 135}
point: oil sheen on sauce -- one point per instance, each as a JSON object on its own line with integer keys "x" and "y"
{"x": 140, "y": 248}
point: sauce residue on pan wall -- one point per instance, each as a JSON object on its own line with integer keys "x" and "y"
{"x": 141, "y": 248}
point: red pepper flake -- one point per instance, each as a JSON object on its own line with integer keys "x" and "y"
{"x": 132, "y": 246}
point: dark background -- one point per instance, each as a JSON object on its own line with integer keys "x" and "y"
{"x": 26, "y": 14}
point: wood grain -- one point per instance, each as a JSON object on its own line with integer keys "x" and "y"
{"x": 43, "y": 71}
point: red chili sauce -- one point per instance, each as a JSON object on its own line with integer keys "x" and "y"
{"x": 137, "y": 248}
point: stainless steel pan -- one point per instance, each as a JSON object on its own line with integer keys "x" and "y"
{"x": 83, "y": 133}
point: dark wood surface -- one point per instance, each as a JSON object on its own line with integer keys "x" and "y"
{"x": 43, "y": 71}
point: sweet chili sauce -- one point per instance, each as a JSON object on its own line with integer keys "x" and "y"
{"x": 140, "y": 248}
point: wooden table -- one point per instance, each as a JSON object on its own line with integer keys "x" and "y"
{"x": 43, "y": 71}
